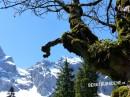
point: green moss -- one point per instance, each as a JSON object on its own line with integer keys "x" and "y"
{"x": 100, "y": 54}
{"x": 122, "y": 20}
{"x": 121, "y": 28}
{"x": 121, "y": 2}
{"x": 121, "y": 92}
{"x": 117, "y": 2}
{"x": 100, "y": 46}
{"x": 107, "y": 56}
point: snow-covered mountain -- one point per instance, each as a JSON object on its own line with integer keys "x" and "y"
{"x": 10, "y": 75}
{"x": 38, "y": 80}
{"x": 42, "y": 77}
{"x": 44, "y": 74}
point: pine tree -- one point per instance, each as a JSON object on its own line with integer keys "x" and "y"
{"x": 65, "y": 82}
{"x": 11, "y": 92}
{"x": 83, "y": 78}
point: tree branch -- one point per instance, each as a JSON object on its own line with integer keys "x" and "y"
{"x": 91, "y": 3}
{"x": 102, "y": 22}
{"x": 108, "y": 8}
{"x": 9, "y": 6}
{"x": 46, "y": 48}
{"x": 63, "y": 5}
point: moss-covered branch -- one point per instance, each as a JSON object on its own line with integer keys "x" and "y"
{"x": 46, "y": 48}
{"x": 109, "y": 57}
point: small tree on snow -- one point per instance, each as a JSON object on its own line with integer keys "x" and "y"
{"x": 11, "y": 92}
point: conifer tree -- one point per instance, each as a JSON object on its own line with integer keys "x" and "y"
{"x": 65, "y": 82}
{"x": 83, "y": 78}
{"x": 11, "y": 92}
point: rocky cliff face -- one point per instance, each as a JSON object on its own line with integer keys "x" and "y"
{"x": 41, "y": 76}
{"x": 10, "y": 75}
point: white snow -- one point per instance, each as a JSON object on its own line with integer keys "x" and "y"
{"x": 23, "y": 81}
{"x": 9, "y": 62}
{"x": 3, "y": 94}
{"x": 24, "y": 93}
{"x": 28, "y": 93}
{"x": 55, "y": 71}
{"x": 102, "y": 95}
{"x": 33, "y": 93}
{"x": 6, "y": 57}
{"x": 72, "y": 60}
{"x": 23, "y": 72}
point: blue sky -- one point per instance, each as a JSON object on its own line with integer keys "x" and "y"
{"x": 22, "y": 37}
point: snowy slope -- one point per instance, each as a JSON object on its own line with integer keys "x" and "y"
{"x": 10, "y": 75}
{"x": 32, "y": 92}
{"x": 40, "y": 79}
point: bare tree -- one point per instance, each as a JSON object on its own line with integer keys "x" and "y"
{"x": 106, "y": 56}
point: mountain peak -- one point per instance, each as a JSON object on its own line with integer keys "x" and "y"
{"x": 2, "y": 54}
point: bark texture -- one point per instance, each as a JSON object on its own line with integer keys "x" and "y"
{"x": 109, "y": 57}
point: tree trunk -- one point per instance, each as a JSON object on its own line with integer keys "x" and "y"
{"x": 108, "y": 57}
